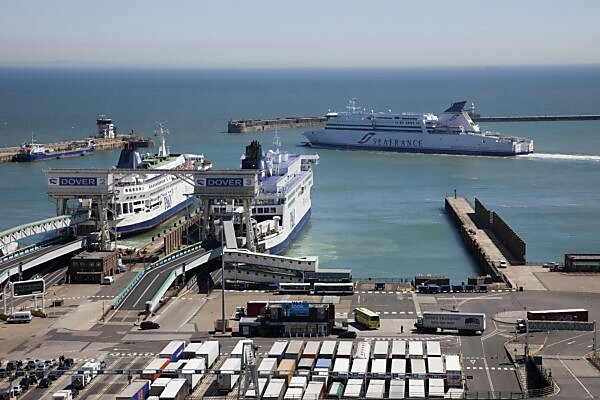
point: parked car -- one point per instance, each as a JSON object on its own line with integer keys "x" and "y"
{"x": 54, "y": 375}
{"x": 149, "y": 325}
{"x": 44, "y": 383}
{"x": 502, "y": 264}
{"x": 347, "y": 335}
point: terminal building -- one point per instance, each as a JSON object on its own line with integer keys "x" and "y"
{"x": 582, "y": 262}
{"x": 92, "y": 267}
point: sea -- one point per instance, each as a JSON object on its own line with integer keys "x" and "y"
{"x": 380, "y": 214}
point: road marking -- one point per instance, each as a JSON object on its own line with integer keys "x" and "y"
{"x": 576, "y": 378}
{"x": 571, "y": 342}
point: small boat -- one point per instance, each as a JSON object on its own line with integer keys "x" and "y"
{"x": 36, "y": 151}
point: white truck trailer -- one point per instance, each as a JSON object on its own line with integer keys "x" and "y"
{"x": 468, "y": 323}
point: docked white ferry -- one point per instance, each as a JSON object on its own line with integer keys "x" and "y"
{"x": 283, "y": 206}
{"x": 453, "y": 132}
{"x": 143, "y": 201}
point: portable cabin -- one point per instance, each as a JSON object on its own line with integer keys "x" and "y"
{"x": 267, "y": 367}
{"x": 416, "y": 388}
{"x": 435, "y": 388}
{"x": 359, "y": 368}
{"x": 328, "y": 349}
{"x": 397, "y": 389}
{"x": 378, "y": 368}
{"x": 353, "y": 389}
{"x": 314, "y": 391}
{"x": 278, "y": 349}
{"x": 417, "y": 368}
{"x": 376, "y": 389}
{"x": 176, "y": 389}
{"x": 311, "y": 350}
{"x": 415, "y": 349}
{"x": 398, "y": 349}
{"x": 398, "y": 368}
{"x": 381, "y": 349}
{"x": 433, "y": 348}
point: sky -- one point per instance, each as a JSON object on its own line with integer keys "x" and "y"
{"x": 298, "y": 34}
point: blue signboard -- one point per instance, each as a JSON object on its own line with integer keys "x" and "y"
{"x": 296, "y": 309}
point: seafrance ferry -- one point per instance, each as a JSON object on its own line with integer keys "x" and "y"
{"x": 143, "y": 201}
{"x": 453, "y": 132}
{"x": 283, "y": 206}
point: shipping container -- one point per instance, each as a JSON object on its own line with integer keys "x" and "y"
{"x": 173, "y": 350}
{"x": 344, "y": 349}
{"x": 376, "y": 389}
{"x": 191, "y": 350}
{"x": 378, "y": 368}
{"x": 298, "y": 382}
{"x": 336, "y": 391}
{"x": 293, "y": 393}
{"x": 138, "y": 389}
{"x": 277, "y": 349}
{"x": 286, "y": 369}
{"x": 153, "y": 368}
{"x": 341, "y": 368}
{"x": 453, "y": 370}
{"x": 177, "y": 389}
{"x": 363, "y": 350}
{"x": 381, "y": 349}
{"x": 314, "y": 391}
{"x": 359, "y": 369}
{"x": 294, "y": 350}
{"x": 398, "y": 349}
{"x": 229, "y": 374}
{"x": 311, "y": 350}
{"x": 328, "y": 349}
{"x": 435, "y": 388}
{"x": 238, "y": 350}
{"x": 193, "y": 371}
{"x": 417, "y": 368}
{"x": 306, "y": 364}
{"x": 275, "y": 389}
{"x": 157, "y": 387}
{"x": 255, "y": 308}
{"x": 416, "y": 388}
{"x": 353, "y": 389}
{"x": 262, "y": 385}
{"x": 210, "y": 351}
{"x": 433, "y": 349}
{"x": 324, "y": 363}
{"x": 435, "y": 367}
{"x": 267, "y": 367}
{"x": 397, "y": 389}
{"x": 398, "y": 368}
{"x": 415, "y": 349}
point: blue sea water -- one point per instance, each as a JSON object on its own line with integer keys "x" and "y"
{"x": 380, "y": 214}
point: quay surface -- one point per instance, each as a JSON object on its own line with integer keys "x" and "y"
{"x": 259, "y": 125}
{"x": 7, "y": 153}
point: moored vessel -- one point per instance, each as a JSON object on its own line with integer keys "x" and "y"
{"x": 36, "y": 151}
{"x": 453, "y": 132}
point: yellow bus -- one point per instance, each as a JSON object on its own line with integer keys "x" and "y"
{"x": 366, "y": 317}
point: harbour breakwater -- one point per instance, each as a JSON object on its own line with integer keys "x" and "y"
{"x": 8, "y": 153}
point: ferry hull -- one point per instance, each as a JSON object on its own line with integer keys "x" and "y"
{"x": 52, "y": 156}
{"x": 146, "y": 225}
{"x": 296, "y": 231}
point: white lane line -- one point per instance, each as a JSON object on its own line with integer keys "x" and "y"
{"x": 576, "y": 378}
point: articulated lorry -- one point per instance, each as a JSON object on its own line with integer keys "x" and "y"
{"x": 470, "y": 323}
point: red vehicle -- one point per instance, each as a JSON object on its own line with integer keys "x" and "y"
{"x": 576, "y": 314}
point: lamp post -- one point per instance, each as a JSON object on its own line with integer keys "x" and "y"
{"x": 223, "y": 327}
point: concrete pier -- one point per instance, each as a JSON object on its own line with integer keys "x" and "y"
{"x": 484, "y": 246}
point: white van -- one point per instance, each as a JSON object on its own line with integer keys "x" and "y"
{"x": 20, "y": 317}
{"x": 108, "y": 280}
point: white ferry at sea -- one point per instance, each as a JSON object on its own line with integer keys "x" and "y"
{"x": 283, "y": 206}
{"x": 143, "y": 201}
{"x": 453, "y": 132}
